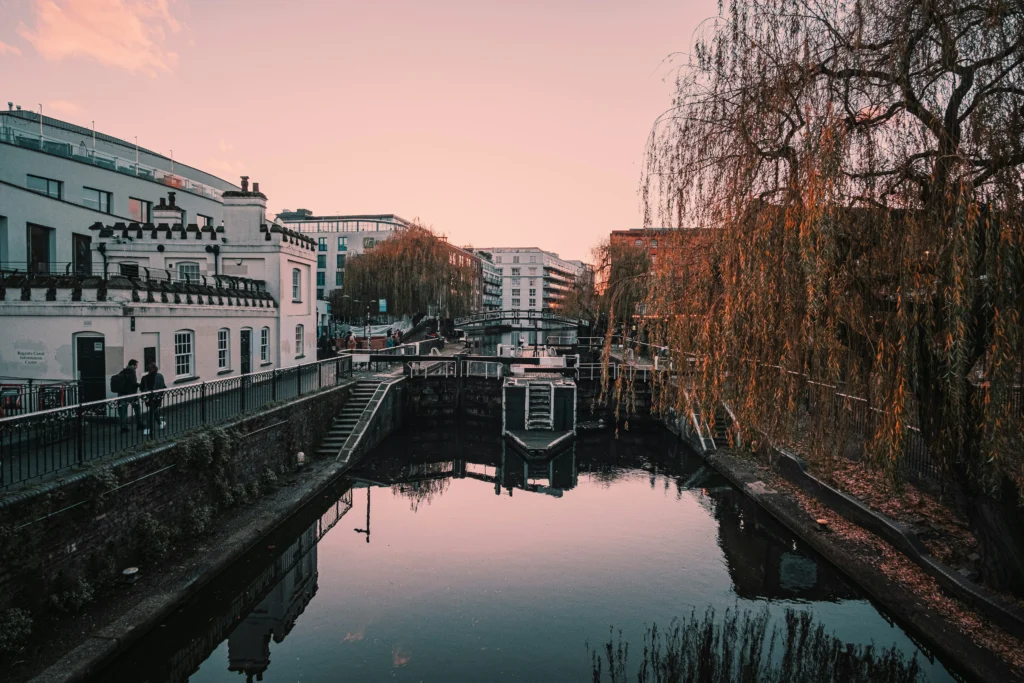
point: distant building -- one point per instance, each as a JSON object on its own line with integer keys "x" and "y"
{"x": 201, "y": 302}
{"x": 656, "y": 241}
{"x": 491, "y": 300}
{"x": 57, "y": 179}
{"x": 339, "y": 238}
{"x": 533, "y": 279}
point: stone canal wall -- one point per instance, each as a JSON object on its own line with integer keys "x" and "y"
{"x": 65, "y": 539}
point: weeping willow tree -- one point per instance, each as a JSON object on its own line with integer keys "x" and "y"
{"x": 415, "y": 271}
{"x": 852, "y": 174}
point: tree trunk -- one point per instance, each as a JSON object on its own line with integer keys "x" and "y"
{"x": 998, "y": 524}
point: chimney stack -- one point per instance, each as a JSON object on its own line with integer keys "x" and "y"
{"x": 163, "y": 202}
{"x": 170, "y": 198}
{"x": 255, "y": 187}
{"x": 245, "y": 183}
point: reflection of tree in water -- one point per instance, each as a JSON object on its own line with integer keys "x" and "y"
{"x": 430, "y": 480}
{"x": 742, "y": 649}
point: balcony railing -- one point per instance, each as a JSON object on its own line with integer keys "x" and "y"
{"x": 87, "y": 155}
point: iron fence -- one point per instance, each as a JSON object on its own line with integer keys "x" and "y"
{"x": 49, "y": 441}
{"x": 21, "y": 396}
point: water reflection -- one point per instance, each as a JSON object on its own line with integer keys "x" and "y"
{"x": 485, "y": 565}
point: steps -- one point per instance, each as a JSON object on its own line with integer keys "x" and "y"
{"x": 539, "y": 412}
{"x": 346, "y": 421}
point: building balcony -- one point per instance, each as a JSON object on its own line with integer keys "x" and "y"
{"x": 85, "y": 155}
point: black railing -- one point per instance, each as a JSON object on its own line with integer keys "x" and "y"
{"x": 49, "y": 441}
{"x": 21, "y": 396}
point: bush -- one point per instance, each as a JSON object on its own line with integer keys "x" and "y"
{"x": 15, "y": 628}
{"x": 70, "y": 596}
{"x": 197, "y": 519}
{"x": 152, "y": 539}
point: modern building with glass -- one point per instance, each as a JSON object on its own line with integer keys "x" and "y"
{"x": 338, "y": 239}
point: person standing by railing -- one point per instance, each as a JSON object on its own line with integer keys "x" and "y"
{"x": 153, "y": 382}
{"x": 127, "y": 384}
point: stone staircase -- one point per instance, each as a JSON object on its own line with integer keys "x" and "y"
{"x": 344, "y": 423}
{"x": 539, "y": 415}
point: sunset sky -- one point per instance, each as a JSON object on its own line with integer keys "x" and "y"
{"x": 498, "y": 123}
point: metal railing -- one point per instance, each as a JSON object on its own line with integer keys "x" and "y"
{"x": 430, "y": 368}
{"x": 85, "y": 154}
{"x": 482, "y": 368}
{"x": 21, "y": 396}
{"x": 49, "y": 441}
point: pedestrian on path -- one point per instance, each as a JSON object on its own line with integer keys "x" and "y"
{"x": 126, "y": 383}
{"x": 153, "y": 382}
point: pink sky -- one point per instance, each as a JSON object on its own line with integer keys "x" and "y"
{"x": 498, "y": 123}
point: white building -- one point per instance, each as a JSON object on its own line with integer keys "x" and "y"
{"x": 339, "y": 238}
{"x": 202, "y": 302}
{"x": 57, "y": 178}
{"x": 531, "y": 278}
{"x": 491, "y": 282}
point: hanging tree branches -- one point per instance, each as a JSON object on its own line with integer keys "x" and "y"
{"x": 415, "y": 271}
{"x": 853, "y": 171}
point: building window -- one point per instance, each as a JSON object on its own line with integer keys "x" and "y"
{"x": 321, "y": 259}
{"x": 321, "y": 243}
{"x": 367, "y": 243}
{"x": 533, "y": 271}
{"x": 321, "y": 278}
{"x": 300, "y": 336}
{"x": 498, "y": 260}
{"x": 515, "y": 292}
{"x": 515, "y": 282}
{"x": 654, "y": 244}
{"x": 223, "y": 348}
{"x": 533, "y": 292}
{"x": 339, "y": 278}
{"x": 341, "y": 261}
{"x": 501, "y": 271}
{"x": 296, "y": 284}
{"x": 515, "y": 259}
{"x": 265, "y": 345}
{"x": 533, "y": 259}
{"x": 183, "y": 350}
{"x": 203, "y": 221}
{"x": 96, "y": 199}
{"x": 533, "y": 303}
{"x": 515, "y": 303}
{"x": 515, "y": 272}
{"x": 47, "y": 186}
{"x": 320, "y": 294}
{"x": 343, "y": 244}
{"x": 638, "y": 243}
{"x": 188, "y": 272}
{"x": 139, "y": 210}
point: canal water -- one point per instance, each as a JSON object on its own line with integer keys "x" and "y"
{"x": 445, "y": 557}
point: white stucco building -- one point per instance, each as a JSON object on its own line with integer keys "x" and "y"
{"x": 57, "y": 178}
{"x": 202, "y": 302}
{"x": 531, "y": 278}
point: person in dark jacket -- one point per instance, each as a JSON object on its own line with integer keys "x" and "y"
{"x": 153, "y": 382}
{"x": 129, "y": 387}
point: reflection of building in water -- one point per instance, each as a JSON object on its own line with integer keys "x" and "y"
{"x": 423, "y": 481}
{"x": 762, "y": 562}
{"x": 274, "y": 616}
{"x": 273, "y": 595}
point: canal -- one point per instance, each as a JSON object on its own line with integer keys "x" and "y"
{"x": 445, "y": 557}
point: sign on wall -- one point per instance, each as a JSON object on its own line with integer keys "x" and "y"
{"x": 383, "y": 305}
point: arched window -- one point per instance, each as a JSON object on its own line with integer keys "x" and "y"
{"x": 265, "y": 345}
{"x": 184, "y": 353}
{"x": 638, "y": 243}
{"x": 296, "y": 284}
{"x": 300, "y": 341}
{"x": 223, "y": 348}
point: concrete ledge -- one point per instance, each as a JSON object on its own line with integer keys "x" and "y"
{"x": 920, "y": 618}
{"x": 103, "y": 645}
{"x": 1009, "y": 617}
